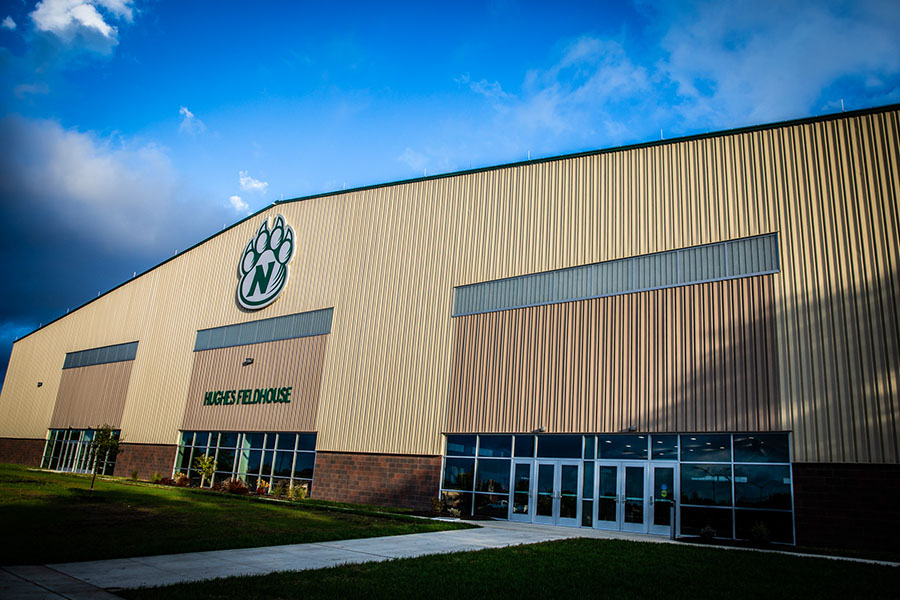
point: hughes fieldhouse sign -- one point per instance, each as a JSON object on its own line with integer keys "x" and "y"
{"x": 273, "y": 395}
{"x": 263, "y": 270}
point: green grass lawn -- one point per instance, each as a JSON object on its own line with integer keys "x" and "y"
{"x": 579, "y": 568}
{"x": 49, "y": 517}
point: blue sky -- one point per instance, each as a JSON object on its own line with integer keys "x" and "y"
{"x": 132, "y": 129}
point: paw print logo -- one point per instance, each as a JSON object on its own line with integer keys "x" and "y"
{"x": 263, "y": 270}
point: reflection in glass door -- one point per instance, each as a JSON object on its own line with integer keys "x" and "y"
{"x": 521, "y": 508}
{"x": 621, "y": 496}
{"x": 662, "y": 498}
{"x": 557, "y": 498}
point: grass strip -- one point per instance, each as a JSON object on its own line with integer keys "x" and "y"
{"x": 577, "y": 568}
{"x": 49, "y": 517}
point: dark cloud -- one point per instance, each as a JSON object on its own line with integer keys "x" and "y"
{"x": 80, "y": 214}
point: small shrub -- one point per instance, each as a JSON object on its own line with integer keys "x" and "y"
{"x": 438, "y": 506}
{"x": 134, "y": 475}
{"x": 280, "y": 489}
{"x": 262, "y": 486}
{"x": 235, "y": 486}
{"x": 454, "y": 512}
{"x": 297, "y": 492}
{"x": 217, "y": 486}
{"x": 206, "y": 465}
{"x": 182, "y": 480}
{"x": 165, "y": 481}
{"x": 157, "y": 477}
{"x": 707, "y": 533}
{"x": 760, "y": 534}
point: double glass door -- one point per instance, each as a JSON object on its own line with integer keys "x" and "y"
{"x": 635, "y": 496}
{"x": 547, "y": 491}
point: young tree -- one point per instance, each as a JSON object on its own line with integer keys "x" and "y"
{"x": 207, "y": 467}
{"x": 104, "y": 447}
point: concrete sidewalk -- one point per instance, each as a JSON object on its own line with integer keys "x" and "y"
{"x": 94, "y": 580}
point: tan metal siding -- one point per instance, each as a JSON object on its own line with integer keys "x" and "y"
{"x": 386, "y": 259}
{"x": 90, "y": 397}
{"x": 697, "y": 358}
{"x": 295, "y": 363}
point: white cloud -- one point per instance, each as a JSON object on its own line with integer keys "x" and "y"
{"x": 189, "y": 123}
{"x": 738, "y": 61}
{"x": 238, "y": 204}
{"x": 8, "y": 23}
{"x": 248, "y": 184}
{"x": 416, "y": 160}
{"x": 118, "y": 194}
{"x": 79, "y": 22}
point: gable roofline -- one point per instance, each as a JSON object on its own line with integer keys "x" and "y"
{"x": 524, "y": 163}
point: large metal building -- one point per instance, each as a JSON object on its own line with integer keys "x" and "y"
{"x": 707, "y": 324}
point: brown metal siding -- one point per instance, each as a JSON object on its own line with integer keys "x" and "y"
{"x": 293, "y": 363}
{"x": 92, "y": 396}
{"x": 696, "y": 358}
{"x": 387, "y": 259}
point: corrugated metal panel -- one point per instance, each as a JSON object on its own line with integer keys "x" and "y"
{"x": 387, "y": 259}
{"x": 699, "y": 358}
{"x": 91, "y": 396}
{"x": 295, "y": 363}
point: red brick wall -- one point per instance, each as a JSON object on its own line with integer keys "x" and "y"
{"x": 22, "y": 451}
{"x": 379, "y": 479}
{"x": 146, "y": 458}
{"x": 847, "y": 505}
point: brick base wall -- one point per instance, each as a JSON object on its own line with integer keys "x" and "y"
{"x": 22, "y": 451}
{"x": 847, "y": 505}
{"x": 379, "y": 479}
{"x": 146, "y": 459}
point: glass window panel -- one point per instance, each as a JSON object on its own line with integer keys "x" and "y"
{"x": 254, "y": 460}
{"x": 270, "y": 441}
{"x": 187, "y": 438}
{"x": 307, "y": 441}
{"x": 706, "y": 447}
{"x": 459, "y": 473}
{"x": 304, "y": 465}
{"x": 522, "y": 478}
{"x": 225, "y": 460}
{"x": 266, "y": 468}
{"x": 587, "y": 513}
{"x": 287, "y": 441}
{"x": 525, "y": 446}
{"x": 202, "y": 438}
{"x": 492, "y": 505}
{"x": 283, "y": 464}
{"x": 664, "y": 447}
{"x": 228, "y": 440}
{"x": 590, "y": 443}
{"x": 559, "y": 446}
{"x": 266, "y": 331}
{"x": 762, "y": 486}
{"x": 217, "y": 337}
{"x": 587, "y": 486}
{"x": 461, "y": 445}
{"x": 761, "y": 448}
{"x": 492, "y": 476}
{"x": 706, "y": 484}
{"x": 461, "y": 501}
{"x": 622, "y": 446}
{"x": 764, "y": 525}
{"x": 254, "y": 440}
{"x": 695, "y": 519}
{"x": 497, "y": 446}
{"x": 247, "y": 333}
{"x": 102, "y": 355}
{"x": 185, "y": 463}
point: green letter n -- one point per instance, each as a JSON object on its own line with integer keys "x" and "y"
{"x": 261, "y": 278}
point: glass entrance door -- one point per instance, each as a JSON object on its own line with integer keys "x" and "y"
{"x": 557, "y": 495}
{"x": 621, "y": 496}
{"x": 522, "y": 507}
{"x": 662, "y": 498}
